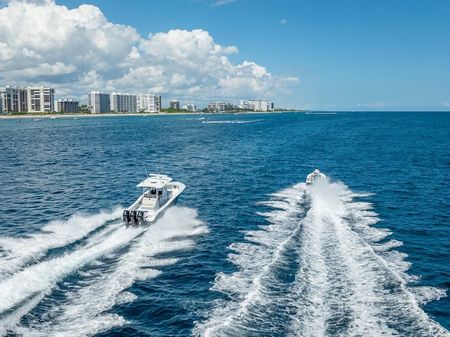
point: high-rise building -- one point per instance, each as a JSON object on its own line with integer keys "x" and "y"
{"x": 14, "y": 99}
{"x": 98, "y": 102}
{"x": 148, "y": 103}
{"x": 256, "y": 105}
{"x": 1, "y": 104}
{"x": 219, "y": 107}
{"x": 123, "y": 102}
{"x": 190, "y": 107}
{"x": 174, "y": 104}
{"x": 67, "y": 106}
{"x": 40, "y": 99}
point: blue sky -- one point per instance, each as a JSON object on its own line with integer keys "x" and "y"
{"x": 356, "y": 55}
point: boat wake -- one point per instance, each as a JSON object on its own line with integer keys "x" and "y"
{"x": 17, "y": 252}
{"x": 107, "y": 263}
{"x": 319, "y": 268}
{"x": 231, "y": 121}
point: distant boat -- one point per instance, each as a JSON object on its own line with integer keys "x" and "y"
{"x": 315, "y": 176}
{"x": 160, "y": 192}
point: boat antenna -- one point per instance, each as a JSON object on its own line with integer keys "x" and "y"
{"x": 145, "y": 169}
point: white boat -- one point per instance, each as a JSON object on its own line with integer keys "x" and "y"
{"x": 160, "y": 192}
{"x": 314, "y": 176}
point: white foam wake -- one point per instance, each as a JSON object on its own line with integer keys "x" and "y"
{"x": 262, "y": 251}
{"x": 232, "y": 121}
{"x": 17, "y": 291}
{"x": 17, "y": 252}
{"x": 348, "y": 280}
{"x": 84, "y": 313}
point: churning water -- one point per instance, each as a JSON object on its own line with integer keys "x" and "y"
{"x": 250, "y": 250}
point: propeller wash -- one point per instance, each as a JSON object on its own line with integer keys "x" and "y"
{"x": 319, "y": 268}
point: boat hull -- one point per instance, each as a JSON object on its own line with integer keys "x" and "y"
{"x": 142, "y": 216}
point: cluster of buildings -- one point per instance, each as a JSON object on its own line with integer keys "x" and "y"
{"x": 100, "y": 102}
{"x": 42, "y": 99}
{"x": 250, "y": 105}
{"x": 256, "y": 105}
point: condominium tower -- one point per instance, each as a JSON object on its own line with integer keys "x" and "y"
{"x": 148, "y": 103}
{"x": 14, "y": 99}
{"x": 67, "y": 106}
{"x": 123, "y": 102}
{"x": 98, "y": 102}
{"x": 41, "y": 99}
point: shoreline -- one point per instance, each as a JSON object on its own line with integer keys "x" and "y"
{"x": 78, "y": 115}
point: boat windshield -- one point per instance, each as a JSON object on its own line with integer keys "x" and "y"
{"x": 151, "y": 193}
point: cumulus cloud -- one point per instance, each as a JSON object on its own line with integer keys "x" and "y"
{"x": 80, "y": 50}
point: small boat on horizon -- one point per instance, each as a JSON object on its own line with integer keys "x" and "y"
{"x": 314, "y": 176}
{"x": 160, "y": 192}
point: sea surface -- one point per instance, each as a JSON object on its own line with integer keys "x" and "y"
{"x": 249, "y": 250}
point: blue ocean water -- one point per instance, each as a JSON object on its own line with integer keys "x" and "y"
{"x": 249, "y": 250}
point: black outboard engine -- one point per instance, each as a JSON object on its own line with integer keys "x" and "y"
{"x": 126, "y": 216}
{"x": 133, "y": 217}
{"x": 140, "y": 217}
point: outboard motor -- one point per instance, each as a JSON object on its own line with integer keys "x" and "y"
{"x": 126, "y": 216}
{"x": 133, "y": 216}
{"x": 140, "y": 217}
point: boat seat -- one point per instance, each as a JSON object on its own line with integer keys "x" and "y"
{"x": 148, "y": 202}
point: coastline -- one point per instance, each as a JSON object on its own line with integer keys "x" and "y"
{"x": 78, "y": 115}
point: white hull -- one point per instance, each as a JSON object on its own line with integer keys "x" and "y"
{"x": 141, "y": 213}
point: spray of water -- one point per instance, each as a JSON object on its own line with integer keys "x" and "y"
{"x": 17, "y": 252}
{"x": 85, "y": 310}
{"x": 326, "y": 272}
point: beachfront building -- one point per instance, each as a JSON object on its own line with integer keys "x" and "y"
{"x": 40, "y": 99}
{"x": 148, "y": 103}
{"x": 14, "y": 99}
{"x": 67, "y": 106}
{"x": 219, "y": 107}
{"x": 123, "y": 102}
{"x": 98, "y": 102}
{"x": 1, "y": 106}
{"x": 190, "y": 107}
{"x": 256, "y": 105}
{"x": 174, "y": 104}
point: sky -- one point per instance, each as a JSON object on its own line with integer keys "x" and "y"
{"x": 316, "y": 54}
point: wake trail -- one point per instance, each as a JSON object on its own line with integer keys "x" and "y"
{"x": 17, "y": 252}
{"x": 262, "y": 252}
{"x": 18, "y": 291}
{"x": 348, "y": 279}
{"x": 85, "y": 310}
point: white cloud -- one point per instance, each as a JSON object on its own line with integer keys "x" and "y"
{"x": 222, "y": 2}
{"x": 283, "y": 21}
{"x": 78, "y": 50}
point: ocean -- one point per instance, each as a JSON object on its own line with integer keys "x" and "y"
{"x": 249, "y": 250}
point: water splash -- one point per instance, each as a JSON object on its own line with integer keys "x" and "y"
{"x": 84, "y": 312}
{"x": 329, "y": 272}
{"x": 17, "y": 252}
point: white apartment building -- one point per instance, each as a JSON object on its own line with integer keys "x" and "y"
{"x": 219, "y": 107}
{"x": 40, "y": 99}
{"x": 256, "y": 105}
{"x": 190, "y": 107}
{"x": 148, "y": 103}
{"x": 123, "y": 102}
{"x": 98, "y": 102}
